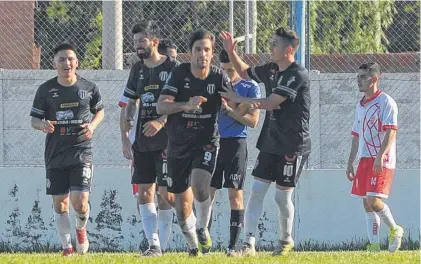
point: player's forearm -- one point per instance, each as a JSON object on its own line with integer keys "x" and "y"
{"x": 239, "y": 65}
{"x": 388, "y": 140}
{"x": 37, "y": 123}
{"x": 247, "y": 119}
{"x": 170, "y": 107}
{"x": 124, "y": 134}
{"x": 97, "y": 118}
{"x": 354, "y": 150}
{"x": 130, "y": 110}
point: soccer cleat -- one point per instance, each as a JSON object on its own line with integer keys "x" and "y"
{"x": 395, "y": 238}
{"x": 205, "y": 241}
{"x": 283, "y": 248}
{"x": 68, "y": 252}
{"x": 246, "y": 249}
{"x": 152, "y": 251}
{"x": 232, "y": 253}
{"x": 82, "y": 242}
{"x": 375, "y": 247}
{"x": 194, "y": 252}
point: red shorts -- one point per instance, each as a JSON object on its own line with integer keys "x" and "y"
{"x": 367, "y": 183}
{"x": 135, "y": 187}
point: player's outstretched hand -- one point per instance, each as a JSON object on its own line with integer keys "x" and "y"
{"x": 228, "y": 41}
{"x": 195, "y": 102}
{"x": 87, "y": 131}
{"x": 48, "y": 126}
{"x": 350, "y": 173}
{"x": 127, "y": 149}
{"x": 151, "y": 128}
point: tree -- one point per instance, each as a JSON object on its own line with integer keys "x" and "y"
{"x": 349, "y": 26}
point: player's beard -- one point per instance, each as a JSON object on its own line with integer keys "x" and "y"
{"x": 146, "y": 54}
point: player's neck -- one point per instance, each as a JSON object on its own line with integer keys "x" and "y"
{"x": 200, "y": 73}
{"x": 155, "y": 60}
{"x": 284, "y": 64}
{"x": 370, "y": 93}
{"x": 67, "y": 81}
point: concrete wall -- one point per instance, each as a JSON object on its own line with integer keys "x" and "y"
{"x": 333, "y": 102}
{"x": 325, "y": 212}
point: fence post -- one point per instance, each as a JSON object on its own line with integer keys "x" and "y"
{"x": 300, "y": 28}
{"x": 112, "y": 35}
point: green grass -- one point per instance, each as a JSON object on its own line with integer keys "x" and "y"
{"x": 337, "y": 257}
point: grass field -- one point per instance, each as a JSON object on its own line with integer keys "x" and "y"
{"x": 358, "y": 257}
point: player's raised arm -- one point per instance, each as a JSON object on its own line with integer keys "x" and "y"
{"x": 230, "y": 45}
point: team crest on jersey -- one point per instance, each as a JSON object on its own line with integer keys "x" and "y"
{"x": 82, "y": 94}
{"x": 211, "y": 88}
{"x": 163, "y": 76}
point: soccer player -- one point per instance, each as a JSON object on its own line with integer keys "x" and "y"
{"x": 231, "y": 164}
{"x": 374, "y": 139}
{"x": 167, "y": 47}
{"x": 61, "y": 108}
{"x": 165, "y": 215}
{"x": 146, "y": 80}
{"x": 192, "y": 102}
{"x": 285, "y": 142}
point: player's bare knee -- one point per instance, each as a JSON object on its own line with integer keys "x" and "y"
{"x": 61, "y": 207}
{"x": 375, "y": 203}
{"x": 146, "y": 193}
{"x": 236, "y": 199}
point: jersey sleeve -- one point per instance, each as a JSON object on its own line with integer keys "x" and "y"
{"x": 226, "y": 83}
{"x": 355, "y": 128}
{"x": 254, "y": 91}
{"x": 130, "y": 90}
{"x": 258, "y": 73}
{"x": 39, "y": 106}
{"x": 390, "y": 115}
{"x": 289, "y": 86}
{"x": 170, "y": 86}
{"x": 123, "y": 101}
{"x": 96, "y": 101}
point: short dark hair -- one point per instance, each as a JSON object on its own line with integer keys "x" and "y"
{"x": 164, "y": 45}
{"x": 149, "y": 28}
{"x": 223, "y": 57}
{"x": 64, "y": 46}
{"x": 372, "y": 68}
{"x": 290, "y": 36}
{"x": 199, "y": 35}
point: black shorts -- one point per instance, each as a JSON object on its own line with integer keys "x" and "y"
{"x": 72, "y": 178}
{"x": 179, "y": 169}
{"x": 231, "y": 164}
{"x": 284, "y": 170}
{"x": 150, "y": 167}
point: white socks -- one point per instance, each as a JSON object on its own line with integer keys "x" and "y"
{"x": 203, "y": 212}
{"x": 254, "y": 210}
{"x": 164, "y": 226}
{"x": 387, "y": 217}
{"x": 150, "y": 223}
{"x": 188, "y": 227}
{"x": 373, "y": 227}
{"x": 286, "y": 213}
{"x": 63, "y": 229}
{"x": 82, "y": 219}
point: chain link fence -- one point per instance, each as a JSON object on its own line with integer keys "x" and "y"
{"x": 342, "y": 36}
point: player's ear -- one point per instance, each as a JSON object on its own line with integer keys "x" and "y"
{"x": 54, "y": 63}
{"x": 77, "y": 62}
{"x": 155, "y": 42}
